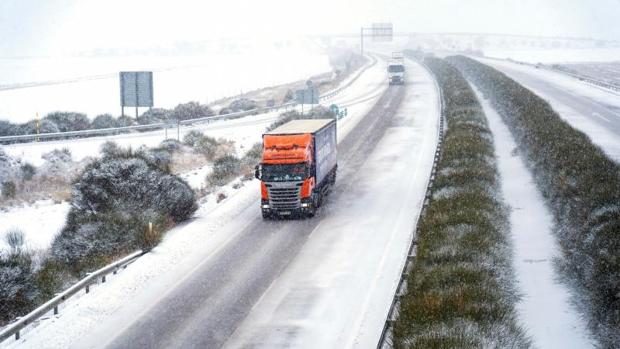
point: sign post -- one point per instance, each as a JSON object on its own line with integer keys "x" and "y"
{"x": 37, "y": 126}
{"x": 308, "y": 96}
{"x": 136, "y": 90}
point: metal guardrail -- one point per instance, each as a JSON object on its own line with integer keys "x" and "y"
{"x": 84, "y": 284}
{"x": 124, "y": 129}
{"x": 385, "y": 340}
{"x": 156, "y": 126}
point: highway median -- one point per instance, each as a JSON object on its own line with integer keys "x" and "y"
{"x": 460, "y": 291}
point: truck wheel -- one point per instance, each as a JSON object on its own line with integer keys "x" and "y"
{"x": 266, "y": 215}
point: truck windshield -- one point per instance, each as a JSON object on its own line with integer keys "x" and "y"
{"x": 396, "y": 68}
{"x": 284, "y": 173}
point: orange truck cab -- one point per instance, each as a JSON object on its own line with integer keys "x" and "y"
{"x": 298, "y": 167}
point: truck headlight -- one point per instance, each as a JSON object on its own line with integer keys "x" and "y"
{"x": 305, "y": 205}
{"x": 264, "y": 206}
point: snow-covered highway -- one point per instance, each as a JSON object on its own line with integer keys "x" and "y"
{"x": 221, "y": 276}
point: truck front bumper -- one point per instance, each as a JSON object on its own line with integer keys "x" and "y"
{"x": 304, "y": 209}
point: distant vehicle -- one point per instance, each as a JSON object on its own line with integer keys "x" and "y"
{"x": 298, "y": 167}
{"x": 396, "y": 69}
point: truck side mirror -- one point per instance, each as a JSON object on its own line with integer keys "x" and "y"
{"x": 257, "y": 171}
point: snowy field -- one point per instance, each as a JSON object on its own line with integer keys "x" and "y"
{"x": 95, "y": 86}
{"x": 556, "y": 55}
{"x": 545, "y": 309}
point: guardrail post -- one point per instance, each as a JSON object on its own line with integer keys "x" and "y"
{"x": 16, "y": 335}
{"x": 56, "y": 310}
{"x": 103, "y": 279}
{"x": 87, "y": 288}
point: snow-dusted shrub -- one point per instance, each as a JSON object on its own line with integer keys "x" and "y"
{"x": 254, "y": 155}
{"x": 192, "y": 137}
{"x": 207, "y": 146}
{"x": 112, "y": 202}
{"x": 288, "y": 96}
{"x": 125, "y": 120}
{"x": 9, "y": 189}
{"x": 45, "y": 126}
{"x": 6, "y": 128}
{"x": 581, "y": 186}
{"x": 27, "y": 171}
{"x": 171, "y": 145}
{"x": 58, "y": 155}
{"x": 251, "y": 158}
{"x": 104, "y": 121}
{"x": 9, "y": 167}
{"x": 225, "y": 168}
{"x": 241, "y": 104}
{"x": 18, "y": 290}
{"x": 58, "y": 162}
{"x": 191, "y": 110}
{"x": 154, "y": 116}
{"x": 461, "y": 292}
{"x": 69, "y": 121}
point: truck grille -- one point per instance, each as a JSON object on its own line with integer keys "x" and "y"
{"x": 284, "y": 198}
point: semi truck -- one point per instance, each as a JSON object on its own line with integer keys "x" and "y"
{"x": 298, "y": 167}
{"x": 396, "y": 69}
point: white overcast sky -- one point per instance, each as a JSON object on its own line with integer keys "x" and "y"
{"x": 39, "y": 27}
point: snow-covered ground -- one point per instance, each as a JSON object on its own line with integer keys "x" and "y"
{"x": 337, "y": 292}
{"x": 182, "y": 249}
{"x": 545, "y": 309}
{"x": 175, "y": 80}
{"x": 590, "y": 109}
{"x": 39, "y": 222}
{"x": 557, "y": 55}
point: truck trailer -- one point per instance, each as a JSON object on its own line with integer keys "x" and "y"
{"x": 298, "y": 167}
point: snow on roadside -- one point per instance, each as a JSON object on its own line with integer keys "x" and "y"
{"x": 545, "y": 309}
